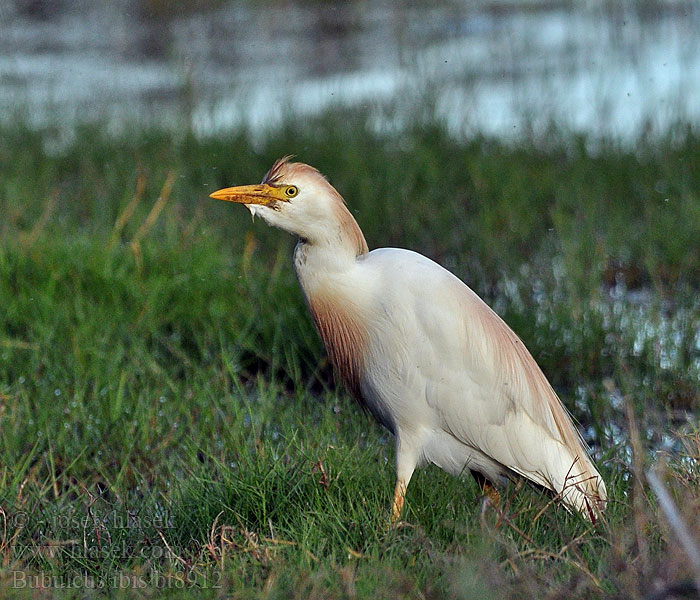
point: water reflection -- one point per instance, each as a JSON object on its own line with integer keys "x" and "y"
{"x": 602, "y": 68}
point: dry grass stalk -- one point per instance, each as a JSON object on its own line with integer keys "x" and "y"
{"x": 128, "y": 212}
{"x": 30, "y": 238}
{"x": 152, "y": 217}
{"x": 676, "y": 522}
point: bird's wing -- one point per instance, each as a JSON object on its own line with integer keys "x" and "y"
{"x": 478, "y": 376}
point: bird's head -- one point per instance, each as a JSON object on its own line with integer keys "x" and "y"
{"x": 297, "y": 198}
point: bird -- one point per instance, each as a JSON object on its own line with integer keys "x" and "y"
{"x": 423, "y": 353}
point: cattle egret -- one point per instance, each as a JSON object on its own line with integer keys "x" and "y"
{"x": 422, "y": 352}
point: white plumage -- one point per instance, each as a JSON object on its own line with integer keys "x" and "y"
{"x": 422, "y": 352}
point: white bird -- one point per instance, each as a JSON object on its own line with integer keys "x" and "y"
{"x": 422, "y": 352}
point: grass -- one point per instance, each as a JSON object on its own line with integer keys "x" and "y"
{"x": 168, "y": 419}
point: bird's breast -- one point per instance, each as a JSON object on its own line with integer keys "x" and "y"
{"x": 358, "y": 326}
{"x": 344, "y": 335}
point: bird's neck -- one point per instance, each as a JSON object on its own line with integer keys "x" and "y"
{"x": 319, "y": 266}
{"x": 324, "y": 262}
{"x": 354, "y": 236}
{"x": 346, "y": 235}
{"x": 331, "y": 253}
{"x": 329, "y": 272}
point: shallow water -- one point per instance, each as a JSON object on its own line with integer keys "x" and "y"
{"x": 603, "y": 69}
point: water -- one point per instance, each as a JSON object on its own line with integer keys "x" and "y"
{"x": 603, "y": 69}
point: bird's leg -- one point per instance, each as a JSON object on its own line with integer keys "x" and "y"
{"x": 397, "y": 504}
{"x": 487, "y": 488}
{"x": 405, "y": 464}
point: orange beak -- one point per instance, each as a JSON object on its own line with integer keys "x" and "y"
{"x": 251, "y": 194}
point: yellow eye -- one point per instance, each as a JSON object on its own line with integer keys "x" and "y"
{"x": 291, "y": 191}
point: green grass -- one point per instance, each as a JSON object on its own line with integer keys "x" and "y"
{"x": 168, "y": 419}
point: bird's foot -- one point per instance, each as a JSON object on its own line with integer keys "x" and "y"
{"x": 491, "y": 495}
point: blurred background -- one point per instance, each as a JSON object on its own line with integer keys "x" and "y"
{"x": 598, "y": 67}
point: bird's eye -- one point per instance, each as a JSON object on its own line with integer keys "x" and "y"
{"x": 291, "y": 191}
